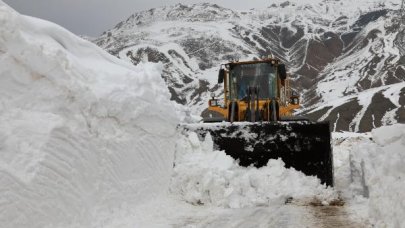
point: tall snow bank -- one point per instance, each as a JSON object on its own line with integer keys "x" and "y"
{"x": 384, "y": 173}
{"x": 203, "y": 176}
{"x": 84, "y": 137}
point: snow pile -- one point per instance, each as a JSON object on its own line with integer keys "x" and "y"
{"x": 203, "y": 176}
{"x": 369, "y": 169}
{"x": 384, "y": 173}
{"x": 84, "y": 137}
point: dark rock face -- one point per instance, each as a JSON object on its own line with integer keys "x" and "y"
{"x": 288, "y": 38}
{"x": 375, "y": 112}
{"x": 348, "y": 37}
{"x": 196, "y": 95}
{"x": 207, "y": 58}
{"x": 319, "y": 54}
{"x": 284, "y": 4}
{"x": 401, "y": 111}
{"x": 401, "y": 115}
{"x": 341, "y": 117}
{"x": 151, "y": 55}
{"x": 176, "y": 97}
{"x": 367, "y": 18}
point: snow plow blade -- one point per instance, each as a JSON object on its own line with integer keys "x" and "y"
{"x": 303, "y": 145}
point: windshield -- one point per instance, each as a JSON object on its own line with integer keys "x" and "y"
{"x": 262, "y": 75}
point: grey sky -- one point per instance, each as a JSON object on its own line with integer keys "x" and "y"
{"x": 92, "y": 17}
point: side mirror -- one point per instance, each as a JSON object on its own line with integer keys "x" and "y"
{"x": 282, "y": 72}
{"x": 221, "y": 75}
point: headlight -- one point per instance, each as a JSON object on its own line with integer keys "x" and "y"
{"x": 295, "y": 101}
{"x": 213, "y": 103}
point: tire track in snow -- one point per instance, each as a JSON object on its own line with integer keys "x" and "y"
{"x": 286, "y": 216}
{"x": 333, "y": 216}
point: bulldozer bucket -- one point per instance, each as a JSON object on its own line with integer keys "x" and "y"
{"x": 303, "y": 145}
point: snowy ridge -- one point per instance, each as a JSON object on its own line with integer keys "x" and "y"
{"x": 84, "y": 137}
{"x": 179, "y": 12}
{"x": 367, "y": 81}
{"x": 345, "y": 45}
{"x": 361, "y": 107}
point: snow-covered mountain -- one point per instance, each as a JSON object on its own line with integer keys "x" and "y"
{"x": 342, "y": 54}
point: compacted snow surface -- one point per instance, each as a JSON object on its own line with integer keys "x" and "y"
{"x": 87, "y": 140}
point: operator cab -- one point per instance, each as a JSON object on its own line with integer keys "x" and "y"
{"x": 256, "y": 75}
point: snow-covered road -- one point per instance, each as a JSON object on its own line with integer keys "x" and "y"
{"x": 288, "y": 216}
{"x": 268, "y": 197}
{"x": 223, "y": 194}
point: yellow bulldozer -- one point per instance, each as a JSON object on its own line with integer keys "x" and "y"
{"x": 253, "y": 91}
{"x": 254, "y": 122}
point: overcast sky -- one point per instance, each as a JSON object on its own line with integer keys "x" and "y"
{"x": 92, "y": 17}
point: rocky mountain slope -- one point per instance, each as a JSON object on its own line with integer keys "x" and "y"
{"x": 343, "y": 55}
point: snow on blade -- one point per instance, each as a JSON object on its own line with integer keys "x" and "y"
{"x": 203, "y": 176}
{"x": 84, "y": 137}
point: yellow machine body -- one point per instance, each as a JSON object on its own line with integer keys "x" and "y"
{"x": 286, "y": 100}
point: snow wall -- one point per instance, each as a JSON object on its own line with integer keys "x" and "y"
{"x": 371, "y": 166}
{"x": 84, "y": 137}
{"x": 383, "y": 166}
